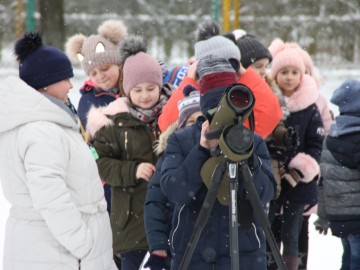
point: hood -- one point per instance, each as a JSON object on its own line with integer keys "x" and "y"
{"x": 98, "y": 117}
{"x": 160, "y": 145}
{"x": 306, "y": 95}
{"x": 21, "y": 104}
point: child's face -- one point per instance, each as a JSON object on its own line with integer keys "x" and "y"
{"x": 192, "y": 118}
{"x": 145, "y": 95}
{"x": 59, "y": 90}
{"x": 288, "y": 79}
{"x": 260, "y": 66}
{"x": 105, "y": 77}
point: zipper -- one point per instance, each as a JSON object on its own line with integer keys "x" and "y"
{"x": 176, "y": 227}
{"x": 126, "y": 148}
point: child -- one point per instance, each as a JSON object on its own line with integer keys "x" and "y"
{"x": 99, "y": 58}
{"x": 123, "y": 134}
{"x": 301, "y": 170}
{"x": 158, "y": 209}
{"x": 186, "y": 153}
{"x": 340, "y": 165}
{"x": 253, "y": 53}
{"x": 267, "y": 111}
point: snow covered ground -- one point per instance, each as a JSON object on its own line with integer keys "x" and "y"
{"x": 325, "y": 251}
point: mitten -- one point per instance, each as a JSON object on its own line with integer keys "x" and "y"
{"x": 322, "y": 225}
{"x": 292, "y": 176}
{"x": 157, "y": 261}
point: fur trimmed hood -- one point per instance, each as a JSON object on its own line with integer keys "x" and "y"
{"x": 98, "y": 117}
{"x": 160, "y": 145}
{"x": 305, "y": 95}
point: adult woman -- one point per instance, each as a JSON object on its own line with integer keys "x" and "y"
{"x": 58, "y": 218}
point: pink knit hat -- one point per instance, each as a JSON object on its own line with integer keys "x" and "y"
{"x": 138, "y": 66}
{"x": 141, "y": 68}
{"x": 285, "y": 55}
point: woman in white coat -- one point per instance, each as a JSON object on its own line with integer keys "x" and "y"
{"x": 58, "y": 218}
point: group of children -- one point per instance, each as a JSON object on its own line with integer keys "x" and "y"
{"x": 147, "y": 132}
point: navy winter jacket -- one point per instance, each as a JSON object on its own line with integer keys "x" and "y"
{"x": 181, "y": 183}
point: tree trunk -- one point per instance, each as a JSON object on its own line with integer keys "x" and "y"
{"x": 52, "y": 24}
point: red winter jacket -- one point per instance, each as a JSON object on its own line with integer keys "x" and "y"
{"x": 267, "y": 110}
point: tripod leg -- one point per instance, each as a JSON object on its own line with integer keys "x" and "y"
{"x": 233, "y": 215}
{"x": 259, "y": 212}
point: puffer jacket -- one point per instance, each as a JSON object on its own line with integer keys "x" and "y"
{"x": 340, "y": 163}
{"x": 123, "y": 142}
{"x": 58, "y": 217}
{"x": 182, "y": 184}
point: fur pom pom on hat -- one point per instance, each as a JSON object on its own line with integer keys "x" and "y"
{"x": 189, "y": 104}
{"x": 206, "y": 30}
{"x": 285, "y": 55}
{"x": 251, "y": 49}
{"x": 219, "y": 46}
{"x": 138, "y": 66}
{"x": 41, "y": 65}
{"x": 97, "y": 50}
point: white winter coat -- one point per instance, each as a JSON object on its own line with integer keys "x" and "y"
{"x": 58, "y": 218}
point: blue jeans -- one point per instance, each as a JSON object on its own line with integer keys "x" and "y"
{"x": 132, "y": 260}
{"x": 291, "y": 227}
{"x": 351, "y": 254}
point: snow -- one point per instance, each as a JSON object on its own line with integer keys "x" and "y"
{"x": 324, "y": 251}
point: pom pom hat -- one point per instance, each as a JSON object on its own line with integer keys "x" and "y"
{"x": 285, "y": 55}
{"x": 251, "y": 49}
{"x": 41, "y": 65}
{"x": 189, "y": 104}
{"x": 138, "y": 66}
{"x": 97, "y": 50}
{"x": 219, "y": 46}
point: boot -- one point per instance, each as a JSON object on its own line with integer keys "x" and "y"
{"x": 291, "y": 262}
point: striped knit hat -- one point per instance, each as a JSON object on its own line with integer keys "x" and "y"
{"x": 215, "y": 75}
{"x": 189, "y": 104}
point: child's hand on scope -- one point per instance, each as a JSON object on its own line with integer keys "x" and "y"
{"x": 208, "y": 144}
{"x": 145, "y": 171}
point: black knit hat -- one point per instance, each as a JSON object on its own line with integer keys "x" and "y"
{"x": 252, "y": 50}
{"x": 41, "y": 65}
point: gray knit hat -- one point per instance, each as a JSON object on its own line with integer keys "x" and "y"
{"x": 97, "y": 50}
{"x": 219, "y": 46}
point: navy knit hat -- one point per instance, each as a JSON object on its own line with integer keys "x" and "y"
{"x": 189, "y": 104}
{"x": 215, "y": 75}
{"x": 252, "y": 50}
{"x": 41, "y": 65}
{"x": 346, "y": 97}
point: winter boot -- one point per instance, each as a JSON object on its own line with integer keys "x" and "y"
{"x": 291, "y": 262}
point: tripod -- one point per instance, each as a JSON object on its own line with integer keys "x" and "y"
{"x": 233, "y": 170}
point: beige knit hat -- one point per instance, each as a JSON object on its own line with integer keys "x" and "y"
{"x": 96, "y": 50}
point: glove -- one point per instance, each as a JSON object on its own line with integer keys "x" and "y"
{"x": 291, "y": 140}
{"x": 157, "y": 262}
{"x": 322, "y": 225}
{"x": 292, "y": 176}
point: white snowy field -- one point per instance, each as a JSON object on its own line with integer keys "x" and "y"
{"x": 325, "y": 251}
